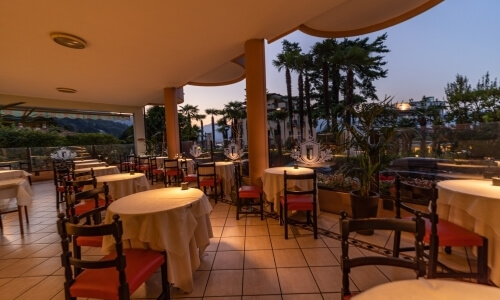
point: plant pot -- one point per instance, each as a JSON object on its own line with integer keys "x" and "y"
{"x": 364, "y": 207}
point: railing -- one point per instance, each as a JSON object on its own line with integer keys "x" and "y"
{"x": 37, "y": 159}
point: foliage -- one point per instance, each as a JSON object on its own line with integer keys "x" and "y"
{"x": 368, "y": 137}
{"x": 338, "y": 181}
{"x": 91, "y": 139}
{"x": 473, "y": 105}
{"x": 11, "y": 137}
{"x": 96, "y": 126}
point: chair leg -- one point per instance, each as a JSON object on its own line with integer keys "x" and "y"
{"x": 285, "y": 220}
{"x": 482, "y": 262}
{"x": 238, "y": 206}
{"x": 261, "y": 208}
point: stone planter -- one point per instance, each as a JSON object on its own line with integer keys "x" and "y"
{"x": 335, "y": 201}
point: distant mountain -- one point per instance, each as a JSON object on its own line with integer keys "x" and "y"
{"x": 208, "y": 129}
{"x": 92, "y": 126}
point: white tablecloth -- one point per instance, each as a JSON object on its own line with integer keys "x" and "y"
{"x": 273, "y": 183}
{"x": 475, "y": 205}
{"x": 99, "y": 171}
{"x": 166, "y": 219}
{"x": 18, "y": 188}
{"x": 89, "y": 165}
{"x": 84, "y": 161}
{"x": 10, "y": 174}
{"x": 189, "y": 161}
{"x": 429, "y": 289}
{"x": 124, "y": 184}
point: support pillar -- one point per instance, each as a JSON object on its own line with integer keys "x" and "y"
{"x": 139, "y": 131}
{"x": 258, "y": 153}
{"x": 172, "y": 121}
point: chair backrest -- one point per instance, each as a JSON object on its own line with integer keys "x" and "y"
{"x": 206, "y": 170}
{"x": 86, "y": 174}
{"x": 95, "y": 195}
{"x": 62, "y": 172}
{"x": 171, "y": 164}
{"x": 290, "y": 181}
{"x": 68, "y": 229}
{"x": 407, "y": 194}
{"x": 415, "y": 226}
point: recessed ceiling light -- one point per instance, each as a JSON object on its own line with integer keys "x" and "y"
{"x": 68, "y": 40}
{"x": 66, "y": 90}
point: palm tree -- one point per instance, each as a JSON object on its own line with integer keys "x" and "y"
{"x": 322, "y": 53}
{"x": 235, "y": 111}
{"x": 362, "y": 67}
{"x": 213, "y": 112}
{"x": 277, "y": 116}
{"x": 223, "y": 128}
{"x": 285, "y": 60}
{"x": 190, "y": 112}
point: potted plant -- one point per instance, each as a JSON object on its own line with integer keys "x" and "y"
{"x": 366, "y": 139}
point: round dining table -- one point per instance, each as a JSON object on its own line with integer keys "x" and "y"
{"x": 124, "y": 184}
{"x": 170, "y": 219}
{"x": 429, "y": 289}
{"x": 475, "y": 205}
{"x": 273, "y": 183}
{"x": 98, "y": 171}
{"x": 89, "y": 165}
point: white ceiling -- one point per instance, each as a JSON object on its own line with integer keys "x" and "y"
{"x": 135, "y": 49}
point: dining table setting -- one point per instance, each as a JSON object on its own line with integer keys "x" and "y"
{"x": 273, "y": 183}
{"x": 474, "y": 205}
{"x": 124, "y": 184}
{"x": 225, "y": 171}
{"x": 175, "y": 219}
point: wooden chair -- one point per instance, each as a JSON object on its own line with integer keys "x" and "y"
{"x": 144, "y": 165}
{"x": 171, "y": 170}
{"x": 79, "y": 202}
{"x": 155, "y": 170}
{"x": 186, "y": 176}
{"x": 439, "y": 232}
{"x": 299, "y": 200}
{"x": 125, "y": 163}
{"x": 62, "y": 171}
{"x": 251, "y": 194}
{"x": 83, "y": 175}
{"x": 91, "y": 204}
{"x": 415, "y": 227}
{"x": 207, "y": 177}
{"x": 118, "y": 274}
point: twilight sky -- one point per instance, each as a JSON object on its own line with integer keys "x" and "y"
{"x": 426, "y": 53}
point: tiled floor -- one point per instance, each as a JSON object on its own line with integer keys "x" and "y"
{"x": 247, "y": 259}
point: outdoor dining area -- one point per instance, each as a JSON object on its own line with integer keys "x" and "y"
{"x": 218, "y": 236}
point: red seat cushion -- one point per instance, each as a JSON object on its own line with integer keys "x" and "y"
{"x": 451, "y": 234}
{"x": 191, "y": 178}
{"x": 103, "y": 283}
{"x": 172, "y": 173}
{"x": 249, "y": 191}
{"x": 88, "y": 205}
{"x": 90, "y": 241}
{"x": 209, "y": 182}
{"x": 158, "y": 171}
{"x": 298, "y": 202}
